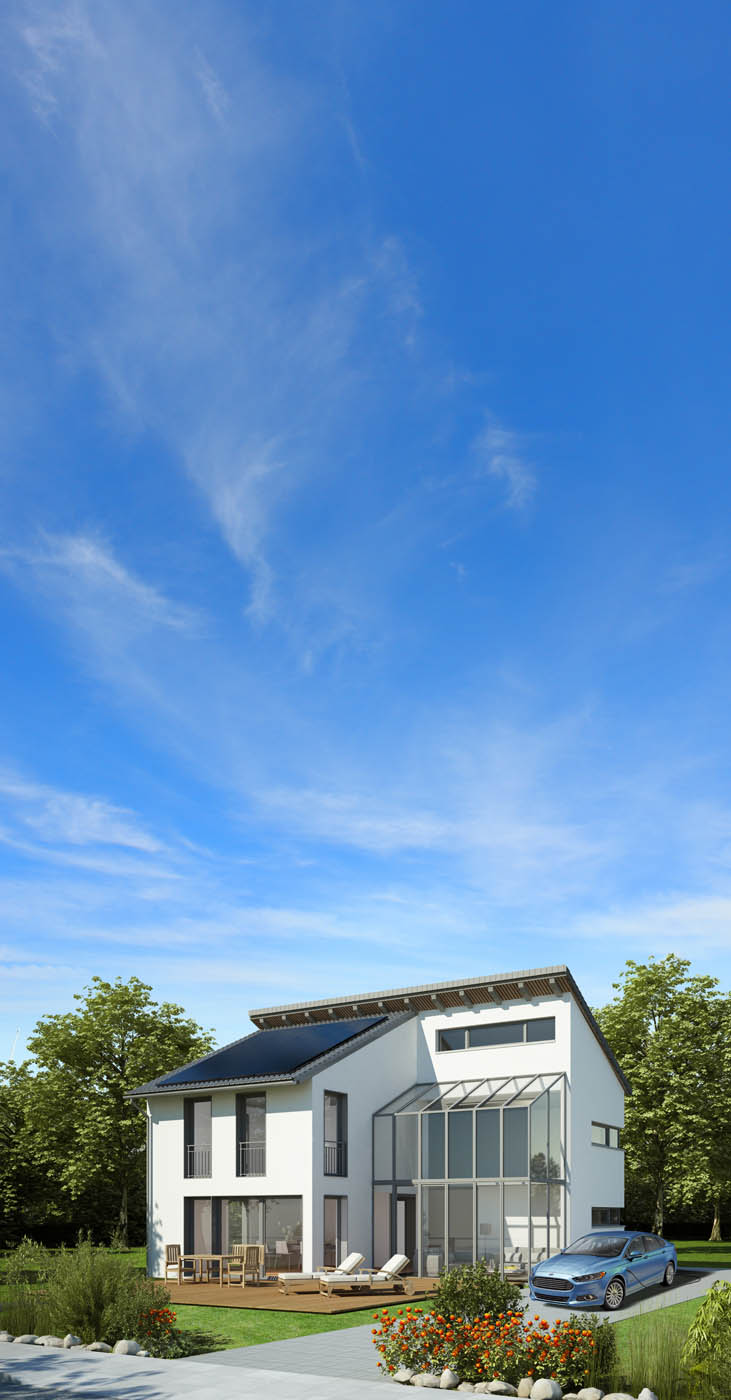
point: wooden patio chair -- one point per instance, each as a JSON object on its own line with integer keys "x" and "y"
{"x": 173, "y": 1261}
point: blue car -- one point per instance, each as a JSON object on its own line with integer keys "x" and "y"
{"x": 602, "y": 1268}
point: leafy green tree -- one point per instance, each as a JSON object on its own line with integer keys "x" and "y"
{"x": 85, "y": 1133}
{"x": 664, "y": 1029}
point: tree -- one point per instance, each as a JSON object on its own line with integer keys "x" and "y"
{"x": 664, "y": 1028}
{"x": 86, "y": 1134}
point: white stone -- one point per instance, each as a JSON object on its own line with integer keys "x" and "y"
{"x": 525, "y": 1387}
{"x": 27, "y": 1339}
{"x": 6, "y": 1337}
{"x": 449, "y": 1380}
{"x": 403, "y": 1375}
{"x": 126, "y": 1348}
{"x": 591, "y": 1392}
{"x": 618, "y": 1395}
{"x": 646, "y": 1394}
{"x": 98, "y": 1346}
{"x": 467, "y": 1386}
{"x": 570, "y": 1395}
{"x": 545, "y": 1389}
{"x": 70, "y": 1340}
{"x": 481, "y": 1388}
{"x": 48, "y": 1341}
{"x": 501, "y": 1388}
{"x": 426, "y": 1380}
{"x": 143, "y": 1352}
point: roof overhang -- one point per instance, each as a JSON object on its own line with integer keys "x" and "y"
{"x": 465, "y": 992}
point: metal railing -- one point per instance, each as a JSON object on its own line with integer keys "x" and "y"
{"x": 336, "y": 1158}
{"x": 252, "y": 1159}
{"x": 197, "y": 1160}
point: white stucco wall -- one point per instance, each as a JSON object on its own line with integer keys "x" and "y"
{"x": 595, "y": 1095}
{"x": 288, "y": 1160}
{"x": 370, "y": 1077}
{"x": 494, "y": 1061}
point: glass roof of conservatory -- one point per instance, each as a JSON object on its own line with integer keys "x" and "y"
{"x": 472, "y": 1093}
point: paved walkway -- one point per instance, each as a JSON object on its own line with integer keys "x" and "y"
{"x": 338, "y": 1365}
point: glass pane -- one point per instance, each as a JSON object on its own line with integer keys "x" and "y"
{"x": 283, "y": 1225}
{"x": 538, "y": 1222}
{"x": 488, "y": 1141}
{"x": 460, "y": 1225}
{"x": 406, "y": 1144}
{"x": 381, "y": 1226}
{"x": 231, "y": 1224}
{"x": 382, "y": 1148}
{"x": 515, "y": 1145}
{"x": 544, "y": 1028}
{"x": 254, "y": 1118}
{"x": 202, "y": 1122}
{"x": 555, "y": 1218}
{"x": 335, "y": 1221}
{"x": 432, "y": 1145}
{"x": 460, "y": 1144}
{"x": 488, "y": 1225}
{"x": 414, "y": 1095}
{"x": 432, "y": 1230}
{"x": 614, "y": 1137}
{"x": 555, "y": 1153}
{"x": 511, "y": 1033}
{"x": 202, "y": 1234}
{"x": 539, "y": 1137}
{"x": 253, "y": 1220}
{"x": 453, "y": 1039}
{"x": 599, "y": 1134}
{"x": 515, "y": 1231}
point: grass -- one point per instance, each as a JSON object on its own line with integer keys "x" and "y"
{"x": 704, "y": 1254}
{"x": 247, "y": 1327}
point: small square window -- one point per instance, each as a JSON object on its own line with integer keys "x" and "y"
{"x": 544, "y": 1028}
{"x": 599, "y": 1134}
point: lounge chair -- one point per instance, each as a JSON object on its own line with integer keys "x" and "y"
{"x": 368, "y": 1280}
{"x": 345, "y": 1269}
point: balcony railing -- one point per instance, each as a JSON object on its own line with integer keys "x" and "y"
{"x": 336, "y": 1158}
{"x": 252, "y": 1159}
{"x": 197, "y": 1160}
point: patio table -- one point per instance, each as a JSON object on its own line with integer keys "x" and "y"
{"x": 202, "y": 1265}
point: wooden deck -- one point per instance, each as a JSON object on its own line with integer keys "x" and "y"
{"x": 306, "y": 1300}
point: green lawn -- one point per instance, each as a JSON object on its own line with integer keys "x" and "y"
{"x": 245, "y": 1327}
{"x": 702, "y": 1254}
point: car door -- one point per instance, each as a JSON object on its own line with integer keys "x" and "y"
{"x": 656, "y": 1257}
{"x": 637, "y": 1264}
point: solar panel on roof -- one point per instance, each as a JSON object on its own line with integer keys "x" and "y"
{"x": 278, "y": 1051}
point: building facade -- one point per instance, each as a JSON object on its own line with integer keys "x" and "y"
{"x": 450, "y": 1122}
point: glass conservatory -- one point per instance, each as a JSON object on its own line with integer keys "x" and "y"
{"x": 471, "y": 1170}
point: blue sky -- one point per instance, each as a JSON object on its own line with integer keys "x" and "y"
{"x": 364, "y": 563}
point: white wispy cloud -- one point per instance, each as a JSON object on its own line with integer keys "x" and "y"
{"x": 501, "y": 454}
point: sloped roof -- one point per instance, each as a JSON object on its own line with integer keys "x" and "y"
{"x": 278, "y": 1054}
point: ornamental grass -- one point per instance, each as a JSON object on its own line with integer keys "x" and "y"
{"x": 503, "y": 1346}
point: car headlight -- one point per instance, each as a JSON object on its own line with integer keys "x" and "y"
{"x": 585, "y": 1278}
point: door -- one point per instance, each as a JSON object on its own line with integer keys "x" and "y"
{"x": 406, "y": 1228}
{"x": 656, "y": 1259}
{"x": 639, "y": 1265}
{"x": 335, "y": 1232}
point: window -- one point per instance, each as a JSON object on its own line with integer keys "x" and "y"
{"x": 336, "y": 1134}
{"x": 501, "y": 1033}
{"x": 606, "y": 1215}
{"x": 251, "y": 1117}
{"x": 602, "y": 1135}
{"x": 197, "y": 1127}
{"x": 335, "y": 1230}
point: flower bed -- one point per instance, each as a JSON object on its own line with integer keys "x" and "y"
{"x": 504, "y": 1347}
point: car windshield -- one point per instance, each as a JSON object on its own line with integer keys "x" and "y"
{"x": 608, "y": 1246}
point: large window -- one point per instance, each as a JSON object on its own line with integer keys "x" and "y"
{"x": 486, "y": 1161}
{"x": 274, "y": 1221}
{"x": 197, "y": 1124}
{"x": 335, "y": 1230}
{"x": 251, "y": 1118}
{"x": 500, "y": 1033}
{"x": 336, "y": 1134}
{"x": 607, "y": 1215}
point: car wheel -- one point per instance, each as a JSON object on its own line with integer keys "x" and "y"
{"x": 614, "y": 1296}
{"x": 669, "y": 1274}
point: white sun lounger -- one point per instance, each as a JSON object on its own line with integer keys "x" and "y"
{"x": 345, "y": 1269}
{"x": 366, "y": 1280}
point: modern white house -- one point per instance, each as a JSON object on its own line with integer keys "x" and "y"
{"x": 478, "y": 1118}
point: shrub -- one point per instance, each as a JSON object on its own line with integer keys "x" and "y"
{"x": 471, "y": 1290}
{"x": 708, "y": 1344}
{"x": 501, "y": 1347}
{"x": 25, "y": 1306}
{"x": 84, "y": 1286}
{"x": 126, "y": 1313}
